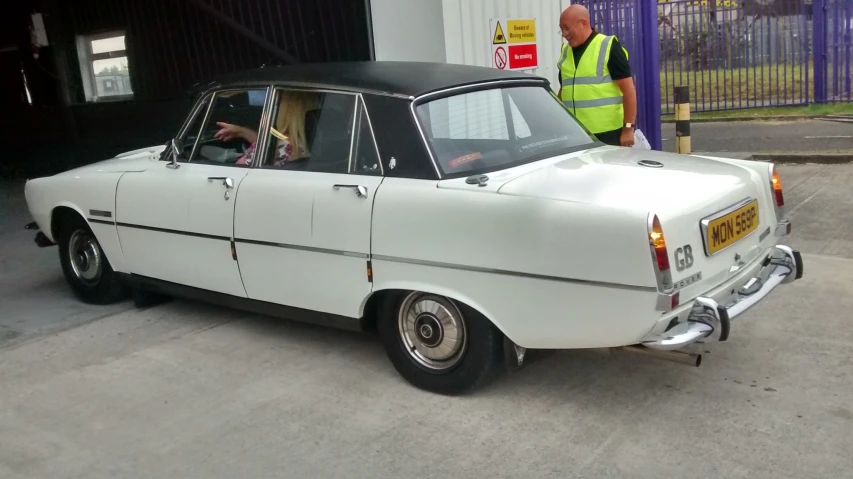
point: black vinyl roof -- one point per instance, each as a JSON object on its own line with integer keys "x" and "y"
{"x": 390, "y": 77}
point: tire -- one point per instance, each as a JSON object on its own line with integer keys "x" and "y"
{"x": 418, "y": 331}
{"x": 85, "y": 265}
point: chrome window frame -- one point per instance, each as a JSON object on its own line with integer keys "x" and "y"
{"x": 211, "y": 94}
{"x": 473, "y": 87}
{"x": 363, "y": 107}
{"x": 272, "y": 95}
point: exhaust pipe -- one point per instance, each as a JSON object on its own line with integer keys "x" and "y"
{"x": 689, "y": 359}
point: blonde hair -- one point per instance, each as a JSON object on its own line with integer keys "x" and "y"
{"x": 290, "y": 119}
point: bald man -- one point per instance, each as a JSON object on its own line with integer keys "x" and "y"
{"x": 595, "y": 79}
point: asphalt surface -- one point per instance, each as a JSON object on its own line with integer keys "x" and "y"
{"x": 189, "y": 390}
{"x": 765, "y": 136}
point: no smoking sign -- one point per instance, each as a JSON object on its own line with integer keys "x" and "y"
{"x": 500, "y": 58}
{"x": 513, "y": 43}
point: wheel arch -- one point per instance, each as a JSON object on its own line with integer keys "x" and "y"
{"x": 372, "y": 304}
{"x": 62, "y": 213}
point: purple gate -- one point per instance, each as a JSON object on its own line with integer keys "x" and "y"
{"x": 735, "y": 54}
{"x": 833, "y": 29}
{"x": 633, "y": 22}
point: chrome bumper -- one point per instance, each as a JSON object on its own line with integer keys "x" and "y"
{"x": 710, "y": 319}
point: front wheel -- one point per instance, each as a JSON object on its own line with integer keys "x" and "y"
{"x": 85, "y": 265}
{"x": 438, "y": 344}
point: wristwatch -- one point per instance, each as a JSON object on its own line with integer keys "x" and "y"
{"x": 628, "y": 125}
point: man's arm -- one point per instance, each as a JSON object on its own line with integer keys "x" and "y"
{"x": 629, "y": 94}
{"x": 620, "y": 71}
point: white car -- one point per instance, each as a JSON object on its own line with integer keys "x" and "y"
{"x": 461, "y": 212}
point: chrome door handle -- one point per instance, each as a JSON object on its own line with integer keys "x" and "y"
{"x": 228, "y": 182}
{"x": 360, "y": 191}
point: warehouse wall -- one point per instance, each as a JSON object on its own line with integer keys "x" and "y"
{"x": 468, "y": 39}
{"x": 408, "y": 30}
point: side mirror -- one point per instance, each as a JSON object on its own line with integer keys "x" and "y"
{"x": 177, "y": 148}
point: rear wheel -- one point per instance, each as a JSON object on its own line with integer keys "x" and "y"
{"x": 438, "y": 344}
{"x": 85, "y": 265}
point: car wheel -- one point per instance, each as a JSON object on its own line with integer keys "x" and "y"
{"x": 438, "y": 344}
{"x": 85, "y": 265}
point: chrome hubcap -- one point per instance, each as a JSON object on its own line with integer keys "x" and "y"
{"x": 433, "y": 330}
{"x": 85, "y": 257}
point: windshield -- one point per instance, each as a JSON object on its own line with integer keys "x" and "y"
{"x": 486, "y": 130}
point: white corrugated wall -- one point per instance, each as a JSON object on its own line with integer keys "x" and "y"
{"x": 467, "y": 37}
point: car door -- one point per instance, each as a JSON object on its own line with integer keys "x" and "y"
{"x": 175, "y": 221}
{"x": 302, "y": 228}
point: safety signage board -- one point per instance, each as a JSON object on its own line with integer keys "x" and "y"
{"x": 513, "y": 43}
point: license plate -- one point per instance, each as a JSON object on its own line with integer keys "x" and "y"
{"x": 730, "y": 226}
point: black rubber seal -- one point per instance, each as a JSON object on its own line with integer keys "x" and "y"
{"x": 725, "y": 323}
{"x": 799, "y": 261}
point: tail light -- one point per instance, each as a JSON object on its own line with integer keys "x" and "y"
{"x": 776, "y": 186}
{"x": 657, "y": 244}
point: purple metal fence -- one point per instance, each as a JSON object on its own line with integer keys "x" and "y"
{"x": 735, "y": 54}
{"x": 833, "y": 29}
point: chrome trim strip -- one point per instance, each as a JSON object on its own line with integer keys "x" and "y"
{"x": 311, "y": 249}
{"x": 353, "y": 133}
{"x": 201, "y": 128}
{"x": 424, "y": 139}
{"x": 480, "y": 86}
{"x": 264, "y": 128}
{"x": 170, "y": 231}
{"x": 372, "y": 134}
{"x": 703, "y": 224}
{"x": 102, "y": 213}
{"x": 101, "y": 222}
{"x": 478, "y": 269}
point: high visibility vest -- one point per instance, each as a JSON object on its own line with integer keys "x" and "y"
{"x": 588, "y": 91}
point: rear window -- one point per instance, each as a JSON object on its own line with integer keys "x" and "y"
{"x": 487, "y": 130}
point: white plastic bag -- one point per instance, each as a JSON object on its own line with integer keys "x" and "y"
{"x": 640, "y": 140}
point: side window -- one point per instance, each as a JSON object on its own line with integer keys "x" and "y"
{"x": 191, "y": 133}
{"x": 230, "y": 131}
{"x": 311, "y": 131}
{"x": 366, "y": 161}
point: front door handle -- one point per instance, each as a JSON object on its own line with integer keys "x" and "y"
{"x": 360, "y": 191}
{"x": 228, "y": 182}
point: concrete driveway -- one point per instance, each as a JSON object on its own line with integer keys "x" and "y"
{"x": 187, "y": 390}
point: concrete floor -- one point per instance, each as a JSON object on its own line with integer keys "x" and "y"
{"x": 189, "y": 390}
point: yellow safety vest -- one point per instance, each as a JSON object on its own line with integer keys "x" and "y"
{"x": 588, "y": 91}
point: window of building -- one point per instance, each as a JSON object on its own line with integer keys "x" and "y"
{"x": 104, "y": 66}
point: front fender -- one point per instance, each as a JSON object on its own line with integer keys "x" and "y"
{"x": 85, "y": 194}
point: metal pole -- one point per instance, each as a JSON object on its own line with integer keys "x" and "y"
{"x": 682, "y": 120}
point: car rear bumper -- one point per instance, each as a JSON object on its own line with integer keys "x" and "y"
{"x": 711, "y": 315}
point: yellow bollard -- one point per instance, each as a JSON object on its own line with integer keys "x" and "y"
{"x": 682, "y": 120}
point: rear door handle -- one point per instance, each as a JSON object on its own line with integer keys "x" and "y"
{"x": 228, "y": 182}
{"x": 360, "y": 191}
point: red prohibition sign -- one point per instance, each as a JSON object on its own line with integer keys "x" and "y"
{"x": 500, "y": 58}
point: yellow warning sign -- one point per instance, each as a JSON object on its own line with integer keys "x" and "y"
{"x": 499, "y": 36}
{"x": 521, "y": 31}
